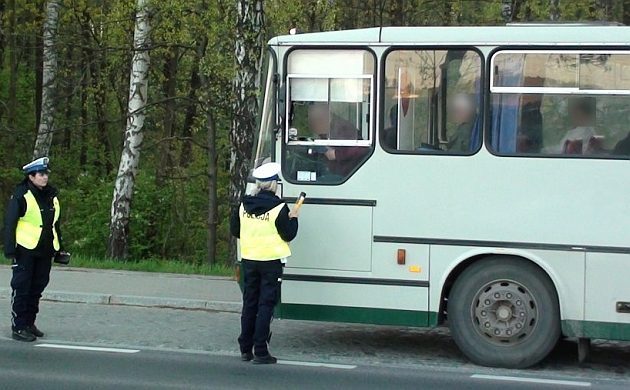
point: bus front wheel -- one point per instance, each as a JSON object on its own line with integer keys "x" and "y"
{"x": 504, "y": 312}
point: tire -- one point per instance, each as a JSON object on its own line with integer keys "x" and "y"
{"x": 504, "y": 312}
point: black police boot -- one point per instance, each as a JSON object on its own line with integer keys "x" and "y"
{"x": 267, "y": 359}
{"x": 36, "y": 332}
{"x": 247, "y": 356}
{"x": 23, "y": 335}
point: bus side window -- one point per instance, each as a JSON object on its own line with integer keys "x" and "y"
{"x": 562, "y": 103}
{"x": 432, "y": 102}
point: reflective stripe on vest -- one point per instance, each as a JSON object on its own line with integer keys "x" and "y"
{"x": 259, "y": 236}
{"x": 29, "y": 227}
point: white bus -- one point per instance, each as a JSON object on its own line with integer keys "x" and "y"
{"x": 477, "y": 177}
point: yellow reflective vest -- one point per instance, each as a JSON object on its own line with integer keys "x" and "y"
{"x": 259, "y": 236}
{"x": 29, "y": 227}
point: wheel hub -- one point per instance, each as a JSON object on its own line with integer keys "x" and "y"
{"x": 505, "y": 312}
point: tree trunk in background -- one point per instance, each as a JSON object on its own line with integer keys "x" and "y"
{"x": 166, "y": 149}
{"x": 68, "y": 96}
{"x": 626, "y": 13}
{"x": 211, "y": 144}
{"x": 118, "y": 246}
{"x": 213, "y": 212}
{"x": 49, "y": 76}
{"x": 250, "y": 40}
{"x": 13, "y": 69}
{"x": 38, "y": 52}
{"x": 554, "y": 10}
{"x": 191, "y": 114}
{"x": 606, "y": 7}
{"x": 94, "y": 64}
{"x": 83, "y": 100}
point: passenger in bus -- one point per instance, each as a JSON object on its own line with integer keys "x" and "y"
{"x": 623, "y": 147}
{"x": 390, "y": 134}
{"x": 530, "y": 130}
{"x": 327, "y": 125}
{"x": 581, "y": 138}
{"x": 464, "y": 112}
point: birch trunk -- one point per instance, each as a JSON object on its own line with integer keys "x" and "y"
{"x": 49, "y": 76}
{"x": 118, "y": 246}
{"x": 250, "y": 40}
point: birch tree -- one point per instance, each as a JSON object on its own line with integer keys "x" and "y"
{"x": 249, "y": 45}
{"x": 138, "y": 84}
{"x": 49, "y": 77}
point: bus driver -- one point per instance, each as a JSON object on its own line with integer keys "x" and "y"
{"x": 326, "y": 125}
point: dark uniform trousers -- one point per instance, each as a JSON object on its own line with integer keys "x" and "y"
{"x": 31, "y": 274}
{"x": 261, "y": 294}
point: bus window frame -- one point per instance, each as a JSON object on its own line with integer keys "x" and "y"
{"x": 373, "y": 114}
{"x": 487, "y": 129}
{"x": 482, "y": 91}
{"x": 272, "y": 72}
{"x": 333, "y": 142}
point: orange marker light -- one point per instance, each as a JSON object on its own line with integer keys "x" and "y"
{"x": 401, "y": 256}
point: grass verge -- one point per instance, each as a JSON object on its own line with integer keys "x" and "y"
{"x": 152, "y": 265}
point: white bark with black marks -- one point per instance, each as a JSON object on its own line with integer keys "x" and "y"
{"x": 249, "y": 45}
{"x": 123, "y": 190}
{"x": 49, "y": 77}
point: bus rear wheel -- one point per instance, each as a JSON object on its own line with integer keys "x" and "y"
{"x": 504, "y": 312}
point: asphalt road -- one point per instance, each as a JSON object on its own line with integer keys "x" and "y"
{"x": 40, "y": 365}
{"x": 192, "y": 349}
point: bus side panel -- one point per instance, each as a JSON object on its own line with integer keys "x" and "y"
{"x": 352, "y": 302}
{"x": 607, "y": 286}
{"x": 333, "y": 237}
{"x": 414, "y": 265}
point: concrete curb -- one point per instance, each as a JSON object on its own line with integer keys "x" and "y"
{"x": 64, "y": 268}
{"x": 132, "y": 300}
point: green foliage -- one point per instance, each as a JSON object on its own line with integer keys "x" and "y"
{"x": 153, "y": 265}
{"x": 85, "y": 214}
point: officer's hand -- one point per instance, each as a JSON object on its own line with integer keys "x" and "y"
{"x": 294, "y": 213}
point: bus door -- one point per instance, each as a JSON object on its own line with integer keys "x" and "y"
{"x": 328, "y": 125}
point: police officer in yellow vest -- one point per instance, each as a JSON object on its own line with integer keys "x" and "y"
{"x": 32, "y": 238}
{"x": 264, "y": 225}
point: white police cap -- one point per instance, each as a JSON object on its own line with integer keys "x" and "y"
{"x": 267, "y": 172}
{"x": 39, "y": 165}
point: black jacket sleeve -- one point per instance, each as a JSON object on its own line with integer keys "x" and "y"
{"x": 287, "y": 227}
{"x": 15, "y": 210}
{"x": 235, "y": 223}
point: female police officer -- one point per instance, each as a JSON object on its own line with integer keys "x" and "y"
{"x": 31, "y": 239}
{"x": 264, "y": 225}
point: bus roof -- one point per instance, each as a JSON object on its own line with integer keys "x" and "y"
{"x": 522, "y": 34}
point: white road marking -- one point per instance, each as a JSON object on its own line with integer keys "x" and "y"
{"x": 531, "y": 380}
{"x": 82, "y": 348}
{"x": 313, "y": 364}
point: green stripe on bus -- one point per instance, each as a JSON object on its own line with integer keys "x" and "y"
{"x": 596, "y": 330}
{"x": 357, "y": 315}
